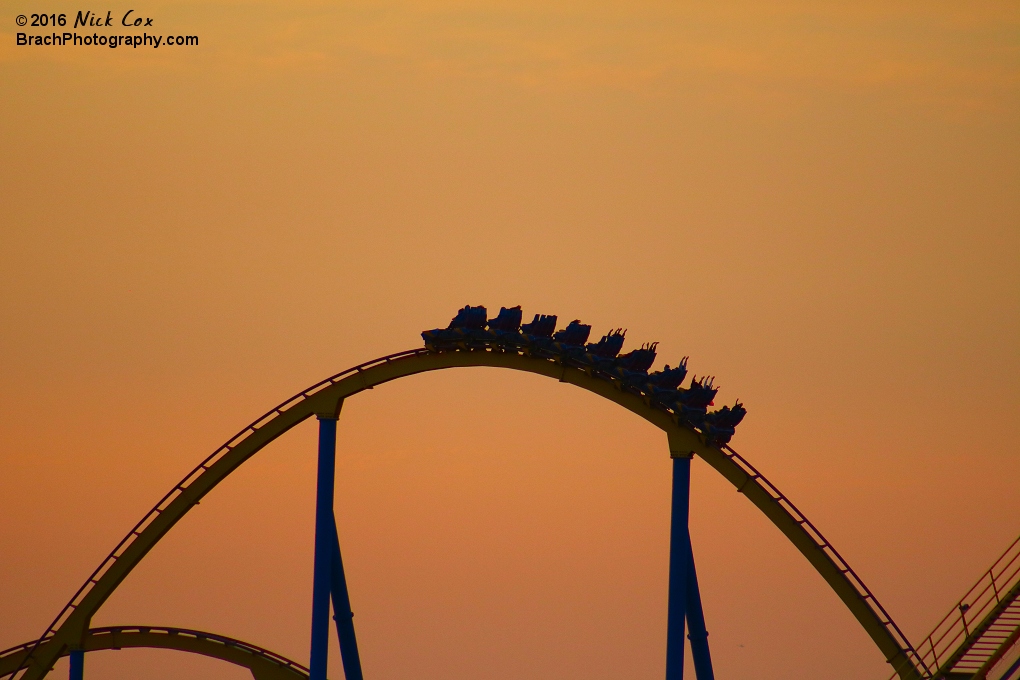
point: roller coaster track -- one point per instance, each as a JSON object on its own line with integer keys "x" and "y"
{"x": 263, "y": 664}
{"x": 70, "y": 628}
{"x": 982, "y": 627}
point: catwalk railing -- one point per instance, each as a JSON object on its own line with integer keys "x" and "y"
{"x": 944, "y": 648}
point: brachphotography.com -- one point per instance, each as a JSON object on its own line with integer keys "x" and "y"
{"x": 112, "y": 41}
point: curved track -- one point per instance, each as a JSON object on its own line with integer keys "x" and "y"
{"x": 325, "y": 398}
{"x": 263, "y": 664}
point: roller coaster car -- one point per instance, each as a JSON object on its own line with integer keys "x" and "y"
{"x": 441, "y": 338}
{"x": 699, "y": 395}
{"x": 541, "y": 327}
{"x": 669, "y": 378}
{"x": 726, "y": 416}
{"x": 467, "y": 330}
{"x": 507, "y": 321}
{"x": 638, "y": 360}
{"x": 609, "y": 346}
{"x": 576, "y": 333}
{"x": 470, "y": 321}
{"x": 469, "y": 318}
{"x": 720, "y": 426}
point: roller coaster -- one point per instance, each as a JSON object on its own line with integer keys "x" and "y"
{"x": 977, "y": 640}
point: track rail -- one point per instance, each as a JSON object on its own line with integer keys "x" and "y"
{"x": 683, "y": 440}
{"x": 177, "y": 490}
{"x": 823, "y": 544}
{"x": 115, "y": 637}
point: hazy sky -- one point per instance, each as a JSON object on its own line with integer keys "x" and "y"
{"x": 818, "y": 202}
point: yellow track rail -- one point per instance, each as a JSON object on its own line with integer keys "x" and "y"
{"x": 263, "y": 664}
{"x": 71, "y": 626}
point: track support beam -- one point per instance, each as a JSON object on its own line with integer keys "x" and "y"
{"x": 77, "y": 664}
{"x": 696, "y": 623}
{"x": 342, "y": 614}
{"x": 684, "y": 604}
{"x": 325, "y": 535}
{"x": 679, "y": 567}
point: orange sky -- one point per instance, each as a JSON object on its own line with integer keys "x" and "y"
{"x": 816, "y": 201}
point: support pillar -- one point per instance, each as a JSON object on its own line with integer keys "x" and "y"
{"x": 342, "y": 614}
{"x": 696, "y": 622}
{"x": 679, "y": 566}
{"x": 77, "y": 661}
{"x": 325, "y": 535}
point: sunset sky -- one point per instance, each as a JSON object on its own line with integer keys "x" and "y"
{"x": 818, "y": 202}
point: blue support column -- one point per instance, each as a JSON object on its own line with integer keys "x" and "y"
{"x": 342, "y": 613}
{"x": 325, "y": 534}
{"x": 696, "y": 622}
{"x": 77, "y": 659}
{"x": 679, "y": 567}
